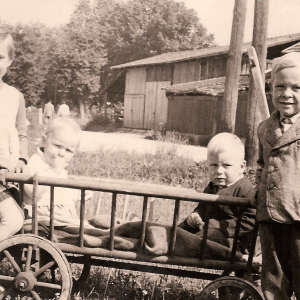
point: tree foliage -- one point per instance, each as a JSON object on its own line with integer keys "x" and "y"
{"x": 73, "y": 62}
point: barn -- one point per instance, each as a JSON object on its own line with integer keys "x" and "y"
{"x": 183, "y": 90}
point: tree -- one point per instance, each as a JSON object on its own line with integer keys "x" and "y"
{"x": 139, "y": 29}
{"x": 30, "y": 66}
{"x": 79, "y": 57}
{"x": 143, "y": 28}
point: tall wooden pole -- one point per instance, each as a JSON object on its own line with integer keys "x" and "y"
{"x": 253, "y": 114}
{"x": 233, "y": 69}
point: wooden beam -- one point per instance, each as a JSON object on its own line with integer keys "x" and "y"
{"x": 254, "y": 116}
{"x": 233, "y": 69}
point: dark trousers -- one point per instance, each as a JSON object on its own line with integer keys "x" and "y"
{"x": 280, "y": 244}
{"x": 212, "y": 234}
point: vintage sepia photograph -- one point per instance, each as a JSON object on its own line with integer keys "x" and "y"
{"x": 151, "y": 150}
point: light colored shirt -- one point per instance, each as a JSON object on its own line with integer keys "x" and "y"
{"x": 49, "y": 110}
{"x": 9, "y": 146}
{"x": 63, "y": 111}
{"x": 62, "y": 196}
{"x": 13, "y": 115}
{"x": 286, "y": 126}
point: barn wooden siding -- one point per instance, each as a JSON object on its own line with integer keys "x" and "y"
{"x": 145, "y": 103}
{"x": 199, "y": 115}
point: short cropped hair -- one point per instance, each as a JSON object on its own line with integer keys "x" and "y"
{"x": 288, "y": 60}
{"x": 226, "y": 142}
{"x": 5, "y": 36}
{"x": 64, "y": 124}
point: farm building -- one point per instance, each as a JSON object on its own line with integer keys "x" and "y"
{"x": 183, "y": 90}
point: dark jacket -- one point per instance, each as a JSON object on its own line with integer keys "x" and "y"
{"x": 224, "y": 217}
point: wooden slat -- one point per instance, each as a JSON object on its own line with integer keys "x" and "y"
{"x": 82, "y": 213}
{"x": 150, "y": 105}
{"x": 144, "y": 222}
{"x": 258, "y": 82}
{"x": 113, "y": 221}
{"x": 161, "y": 108}
{"x": 135, "y": 81}
{"x": 134, "y": 111}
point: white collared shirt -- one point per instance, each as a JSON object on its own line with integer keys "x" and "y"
{"x": 293, "y": 120}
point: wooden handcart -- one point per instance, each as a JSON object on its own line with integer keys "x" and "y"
{"x": 32, "y": 266}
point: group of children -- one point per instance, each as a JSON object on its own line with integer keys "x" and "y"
{"x": 276, "y": 196}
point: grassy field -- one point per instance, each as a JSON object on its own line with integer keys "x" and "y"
{"x": 163, "y": 167}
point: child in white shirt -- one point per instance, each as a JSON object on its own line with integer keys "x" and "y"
{"x": 60, "y": 143}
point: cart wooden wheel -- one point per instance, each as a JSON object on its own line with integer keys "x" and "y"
{"x": 232, "y": 288}
{"x": 31, "y": 267}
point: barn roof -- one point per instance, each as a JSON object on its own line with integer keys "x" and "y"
{"x": 212, "y": 87}
{"x": 172, "y": 57}
{"x": 294, "y": 48}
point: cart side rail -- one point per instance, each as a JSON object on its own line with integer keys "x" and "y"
{"x": 116, "y": 187}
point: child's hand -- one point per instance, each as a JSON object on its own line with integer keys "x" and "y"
{"x": 58, "y": 164}
{"x": 21, "y": 167}
{"x": 195, "y": 221}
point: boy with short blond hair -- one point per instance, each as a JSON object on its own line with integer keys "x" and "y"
{"x": 278, "y": 173}
{"x": 226, "y": 166}
{"x": 60, "y": 143}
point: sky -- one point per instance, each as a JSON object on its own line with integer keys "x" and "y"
{"x": 215, "y": 15}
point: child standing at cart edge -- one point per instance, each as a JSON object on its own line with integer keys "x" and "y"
{"x": 226, "y": 166}
{"x": 12, "y": 116}
{"x": 278, "y": 173}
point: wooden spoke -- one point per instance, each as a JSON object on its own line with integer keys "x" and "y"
{"x": 28, "y": 258}
{"x": 44, "y": 268}
{"x": 48, "y": 285}
{"x": 12, "y": 261}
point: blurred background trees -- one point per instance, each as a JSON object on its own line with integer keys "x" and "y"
{"x": 72, "y": 62}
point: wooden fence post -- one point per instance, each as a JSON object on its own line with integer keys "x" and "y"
{"x": 233, "y": 69}
{"x": 253, "y": 117}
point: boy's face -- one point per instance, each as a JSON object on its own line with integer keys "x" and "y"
{"x": 5, "y": 61}
{"x": 286, "y": 91}
{"x": 225, "y": 167}
{"x": 60, "y": 147}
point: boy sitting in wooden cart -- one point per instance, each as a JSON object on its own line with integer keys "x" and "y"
{"x": 226, "y": 166}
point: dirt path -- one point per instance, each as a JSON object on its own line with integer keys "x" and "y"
{"x": 91, "y": 141}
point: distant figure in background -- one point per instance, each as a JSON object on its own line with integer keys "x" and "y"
{"x": 63, "y": 110}
{"x": 48, "y": 112}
